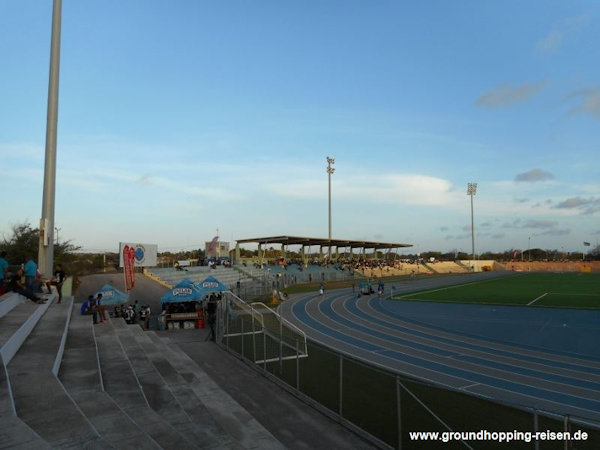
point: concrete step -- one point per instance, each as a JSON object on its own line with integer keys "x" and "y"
{"x": 9, "y": 301}
{"x": 14, "y": 433}
{"x": 80, "y": 374}
{"x": 16, "y": 325}
{"x": 123, "y": 386}
{"x": 214, "y": 436}
{"x": 40, "y": 399}
{"x": 157, "y": 391}
{"x": 234, "y": 419}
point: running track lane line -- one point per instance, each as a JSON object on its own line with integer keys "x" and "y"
{"x": 299, "y": 309}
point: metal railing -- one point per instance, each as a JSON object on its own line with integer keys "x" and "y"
{"x": 386, "y": 407}
{"x": 258, "y": 333}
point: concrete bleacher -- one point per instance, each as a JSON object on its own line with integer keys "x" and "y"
{"x": 169, "y": 277}
{"x": 388, "y": 271}
{"x": 447, "y": 267}
{"x": 294, "y": 273}
{"x": 67, "y": 383}
{"x": 550, "y": 266}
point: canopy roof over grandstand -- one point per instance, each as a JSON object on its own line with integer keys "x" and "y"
{"x": 297, "y": 240}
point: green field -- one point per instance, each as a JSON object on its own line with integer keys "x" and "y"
{"x": 560, "y": 290}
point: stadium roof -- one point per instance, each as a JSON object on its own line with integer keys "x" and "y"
{"x": 298, "y": 240}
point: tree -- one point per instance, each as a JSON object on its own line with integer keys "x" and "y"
{"x": 594, "y": 253}
{"x": 24, "y": 241}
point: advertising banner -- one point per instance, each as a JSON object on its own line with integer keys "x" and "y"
{"x": 128, "y": 255}
{"x": 145, "y": 254}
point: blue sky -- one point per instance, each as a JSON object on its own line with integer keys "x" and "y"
{"x": 178, "y": 118}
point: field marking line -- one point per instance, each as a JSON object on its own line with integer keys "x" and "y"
{"x": 567, "y": 293}
{"x": 445, "y": 288}
{"x": 535, "y": 300}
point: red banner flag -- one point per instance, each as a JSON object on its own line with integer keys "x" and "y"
{"x": 128, "y": 267}
{"x": 213, "y": 244}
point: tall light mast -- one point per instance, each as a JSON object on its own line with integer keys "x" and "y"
{"x": 471, "y": 191}
{"x": 46, "y": 246}
{"x": 330, "y": 170}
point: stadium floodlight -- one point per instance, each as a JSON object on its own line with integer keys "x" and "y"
{"x": 471, "y": 191}
{"x": 46, "y": 245}
{"x": 330, "y": 170}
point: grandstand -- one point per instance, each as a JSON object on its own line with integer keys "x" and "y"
{"x": 549, "y": 266}
{"x": 169, "y": 277}
{"x": 449, "y": 267}
{"x": 306, "y": 243}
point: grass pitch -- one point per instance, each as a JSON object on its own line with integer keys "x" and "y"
{"x": 560, "y": 290}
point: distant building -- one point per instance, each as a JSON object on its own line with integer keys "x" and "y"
{"x": 216, "y": 249}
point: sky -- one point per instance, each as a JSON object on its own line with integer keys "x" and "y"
{"x": 183, "y": 117}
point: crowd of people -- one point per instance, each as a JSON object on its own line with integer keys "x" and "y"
{"x": 132, "y": 314}
{"x": 27, "y": 281}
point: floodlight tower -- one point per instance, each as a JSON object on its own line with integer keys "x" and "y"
{"x": 330, "y": 170}
{"x": 471, "y": 191}
{"x": 46, "y": 245}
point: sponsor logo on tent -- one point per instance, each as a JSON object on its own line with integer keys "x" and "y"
{"x": 210, "y": 284}
{"x": 182, "y": 291}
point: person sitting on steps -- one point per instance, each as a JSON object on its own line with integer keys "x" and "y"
{"x": 15, "y": 285}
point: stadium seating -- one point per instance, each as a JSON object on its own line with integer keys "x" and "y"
{"x": 66, "y": 383}
{"x": 447, "y": 267}
{"x": 550, "y": 266}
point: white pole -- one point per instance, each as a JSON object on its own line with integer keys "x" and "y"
{"x": 46, "y": 245}
{"x": 330, "y": 171}
{"x": 472, "y": 190}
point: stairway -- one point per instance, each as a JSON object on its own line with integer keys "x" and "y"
{"x": 69, "y": 384}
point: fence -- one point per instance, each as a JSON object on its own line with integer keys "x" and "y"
{"x": 257, "y": 333}
{"x": 381, "y": 405}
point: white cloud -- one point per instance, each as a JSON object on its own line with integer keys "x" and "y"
{"x": 586, "y": 206}
{"x": 533, "y": 176}
{"x": 508, "y": 95}
{"x": 404, "y": 189}
{"x": 556, "y": 37}
{"x": 587, "y": 102}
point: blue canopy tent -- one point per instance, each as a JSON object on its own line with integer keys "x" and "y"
{"x": 210, "y": 285}
{"x": 112, "y": 296}
{"x": 184, "y": 291}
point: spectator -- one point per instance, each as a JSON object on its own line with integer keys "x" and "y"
{"x": 145, "y": 317}
{"x": 3, "y": 267}
{"x": 100, "y": 308}
{"x": 211, "y": 310}
{"x": 30, "y": 273}
{"x": 16, "y": 286}
{"x": 57, "y": 280}
{"x": 136, "y": 310}
{"x": 88, "y": 307}
{"x": 129, "y": 314}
